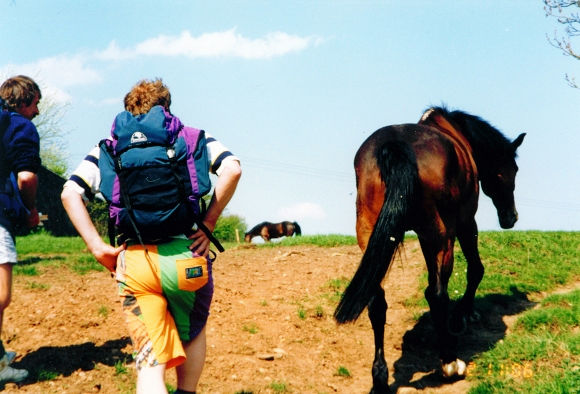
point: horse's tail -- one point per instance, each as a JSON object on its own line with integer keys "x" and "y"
{"x": 398, "y": 168}
{"x": 297, "y": 229}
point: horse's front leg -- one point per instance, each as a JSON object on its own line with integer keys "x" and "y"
{"x": 467, "y": 236}
{"x": 378, "y": 315}
{"x": 439, "y": 259}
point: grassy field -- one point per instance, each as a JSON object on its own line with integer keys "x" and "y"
{"x": 541, "y": 354}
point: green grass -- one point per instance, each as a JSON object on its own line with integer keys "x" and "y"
{"x": 252, "y": 328}
{"x": 279, "y": 387}
{"x": 43, "y": 243}
{"x": 343, "y": 371}
{"x": 120, "y": 368}
{"x": 301, "y": 312}
{"x": 37, "y": 286}
{"x": 329, "y": 241}
{"x": 39, "y": 250}
{"x": 103, "y": 311}
{"x": 25, "y": 270}
{"x": 47, "y": 375}
{"x": 541, "y": 355}
{"x": 517, "y": 262}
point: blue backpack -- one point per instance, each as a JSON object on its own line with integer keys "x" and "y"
{"x": 154, "y": 174}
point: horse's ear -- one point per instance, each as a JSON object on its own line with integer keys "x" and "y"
{"x": 518, "y": 141}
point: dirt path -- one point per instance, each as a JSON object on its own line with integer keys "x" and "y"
{"x": 271, "y": 327}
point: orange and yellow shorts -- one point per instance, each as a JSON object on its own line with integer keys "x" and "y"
{"x": 166, "y": 293}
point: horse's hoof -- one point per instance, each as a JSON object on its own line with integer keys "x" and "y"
{"x": 454, "y": 368}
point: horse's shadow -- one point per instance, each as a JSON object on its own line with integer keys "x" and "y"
{"x": 47, "y": 362}
{"x": 419, "y": 365}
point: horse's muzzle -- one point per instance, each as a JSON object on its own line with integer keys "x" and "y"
{"x": 507, "y": 218}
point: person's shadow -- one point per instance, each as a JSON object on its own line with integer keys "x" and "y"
{"x": 420, "y": 350}
{"x": 46, "y": 363}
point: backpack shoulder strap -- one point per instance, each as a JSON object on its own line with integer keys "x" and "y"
{"x": 107, "y": 169}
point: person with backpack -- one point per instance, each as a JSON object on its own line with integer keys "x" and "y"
{"x": 153, "y": 172}
{"x": 19, "y": 164}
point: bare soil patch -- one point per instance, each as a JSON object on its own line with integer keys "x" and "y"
{"x": 271, "y": 327}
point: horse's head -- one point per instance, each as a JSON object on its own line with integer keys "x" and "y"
{"x": 297, "y": 229}
{"x": 498, "y": 182}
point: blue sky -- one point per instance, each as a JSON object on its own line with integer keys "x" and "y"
{"x": 294, "y": 87}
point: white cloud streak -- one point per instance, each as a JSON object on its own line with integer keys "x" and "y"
{"x": 227, "y": 43}
{"x": 56, "y": 73}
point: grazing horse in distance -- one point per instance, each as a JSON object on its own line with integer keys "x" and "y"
{"x": 425, "y": 177}
{"x": 268, "y": 230}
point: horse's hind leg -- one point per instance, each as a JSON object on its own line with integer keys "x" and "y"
{"x": 468, "y": 240}
{"x": 378, "y": 315}
{"x": 439, "y": 259}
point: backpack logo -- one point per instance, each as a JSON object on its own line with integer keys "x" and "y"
{"x": 138, "y": 137}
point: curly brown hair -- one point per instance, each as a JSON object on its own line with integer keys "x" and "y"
{"x": 145, "y": 95}
{"x": 19, "y": 90}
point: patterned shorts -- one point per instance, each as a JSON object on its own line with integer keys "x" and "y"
{"x": 166, "y": 294}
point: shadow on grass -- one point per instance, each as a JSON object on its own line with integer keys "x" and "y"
{"x": 420, "y": 347}
{"x": 46, "y": 363}
{"x": 29, "y": 260}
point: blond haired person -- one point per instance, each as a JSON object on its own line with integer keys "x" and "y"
{"x": 162, "y": 336}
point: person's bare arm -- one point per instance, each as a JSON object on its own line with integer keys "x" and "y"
{"x": 223, "y": 192}
{"x": 79, "y": 216}
{"x": 28, "y": 186}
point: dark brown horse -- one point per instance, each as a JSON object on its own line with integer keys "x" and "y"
{"x": 268, "y": 230}
{"x": 425, "y": 177}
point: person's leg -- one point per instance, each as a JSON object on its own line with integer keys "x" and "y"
{"x": 151, "y": 380}
{"x": 188, "y": 373}
{"x": 151, "y": 326}
{"x": 5, "y": 297}
{"x": 5, "y": 290}
{"x": 7, "y": 373}
{"x": 8, "y": 256}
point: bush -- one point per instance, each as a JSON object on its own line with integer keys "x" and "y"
{"x": 225, "y": 229}
{"x": 99, "y": 213}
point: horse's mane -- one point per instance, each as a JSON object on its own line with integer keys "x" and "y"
{"x": 487, "y": 141}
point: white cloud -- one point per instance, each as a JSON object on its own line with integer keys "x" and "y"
{"x": 228, "y": 43}
{"x": 57, "y": 95}
{"x": 113, "y": 52}
{"x": 57, "y": 73}
{"x": 60, "y": 70}
{"x": 54, "y": 74}
{"x": 301, "y": 211}
{"x": 66, "y": 70}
